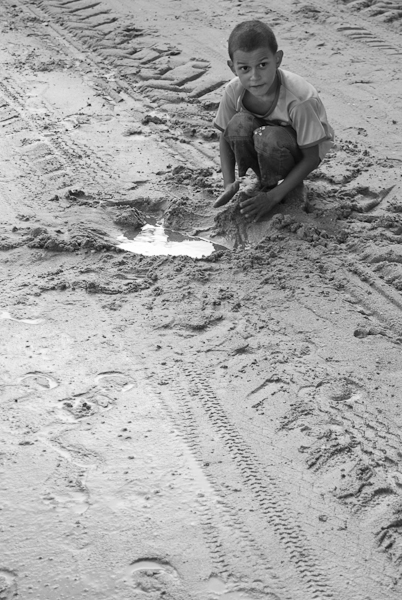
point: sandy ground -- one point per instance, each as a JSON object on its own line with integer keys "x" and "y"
{"x": 225, "y": 427}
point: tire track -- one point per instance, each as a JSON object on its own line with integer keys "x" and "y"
{"x": 361, "y": 282}
{"x": 215, "y": 514}
{"x": 361, "y": 430}
{"x": 53, "y": 156}
{"x": 11, "y": 119}
{"x": 361, "y": 34}
{"x": 273, "y": 505}
{"x": 384, "y": 11}
{"x": 143, "y": 65}
{"x": 42, "y": 155}
{"x": 355, "y": 443}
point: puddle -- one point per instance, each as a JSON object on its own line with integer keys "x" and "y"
{"x": 155, "y": 240}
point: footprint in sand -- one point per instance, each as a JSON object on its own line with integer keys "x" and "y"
{"x": 38, "y": 381}
{"x": 115, "y": 381}
{"x": 74, "y": 500}
{"x": 87, "y": 404}
{"x": 100, "y": 397}
{"x": 343, "y": 390}
{"x": 68, "y": 492}
{"x": 153, "y": 575}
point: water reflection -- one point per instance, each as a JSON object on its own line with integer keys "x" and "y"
{"x": 154, "y": 240}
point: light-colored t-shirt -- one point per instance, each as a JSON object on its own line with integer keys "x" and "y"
{"x": 297, "y": 104}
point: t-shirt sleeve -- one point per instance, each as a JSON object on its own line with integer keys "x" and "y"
{"x": 226, "y": 109}
{"x": 309, "y": 122}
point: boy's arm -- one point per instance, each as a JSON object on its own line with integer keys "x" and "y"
{"x": 255, "y": 207}
{"x": 227, "y": 159}
{"x": 228, "y": 163}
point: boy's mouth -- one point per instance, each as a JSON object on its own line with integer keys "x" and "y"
{"x": 256, "y": 87}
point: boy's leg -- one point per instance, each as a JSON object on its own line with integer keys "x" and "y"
{"x": 277, "y": 152}
{"x": 240, "y": 136}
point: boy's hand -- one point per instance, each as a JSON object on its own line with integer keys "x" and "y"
{"x": 230, "y": 190}
{"x": 255, "y": 207}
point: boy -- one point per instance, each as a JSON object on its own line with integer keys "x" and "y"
{"x": 271, "y": 121}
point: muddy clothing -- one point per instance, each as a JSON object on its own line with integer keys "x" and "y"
{"x": 297, "y": 105}
{"x": 271, "y": 151}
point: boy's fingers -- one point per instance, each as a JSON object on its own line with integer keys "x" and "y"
{"x": 249, "y": 214}
{"x": 246, "y": 209}
{"x": 220, "y": 201}
{"x": 247, "y": 202}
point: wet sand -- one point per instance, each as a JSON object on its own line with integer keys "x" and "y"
{"x": 193, "y": 406}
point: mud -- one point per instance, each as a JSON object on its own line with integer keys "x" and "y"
{"x": 193, "y": 406}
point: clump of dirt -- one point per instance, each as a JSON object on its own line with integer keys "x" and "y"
{"x": 389, "y": 533}
{"x": 198, "y": 322}
{"x": 154, "y": 119}
{"x": 306, "y": 231}
{"x": 80, "y": 407}
{"x": 80, "y": 197}
{"x": 96, "y": 286}
{"x": 131, "y": 217}
{"x": 8, "y": 243}
{"x": 51, "y": 65}
{"x": 183, "y": 213}
{"x": 198, "y": 178}
{"x": 147, "y": 204}
{"x": 132, "y": 130}
{"x": 70, "y": 241}
{"x": 231, "y": 223}
{"x": 355, "y": 481}
{"x": 394, "y": 205}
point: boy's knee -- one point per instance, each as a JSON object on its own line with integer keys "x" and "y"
{"x": 242, "y": 124}
{"x": 269, "y": 138}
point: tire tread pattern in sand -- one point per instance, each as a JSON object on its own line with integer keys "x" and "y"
{"x": 273, "y": 506}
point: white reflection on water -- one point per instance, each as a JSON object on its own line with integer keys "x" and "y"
{"x": 154, "y": 241}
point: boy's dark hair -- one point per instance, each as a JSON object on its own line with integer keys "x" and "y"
{"x": 250, "y": 35}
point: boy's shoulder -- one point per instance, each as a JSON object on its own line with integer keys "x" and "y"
{"x": 296, "y": 86}
{"x": 233, "y": 86}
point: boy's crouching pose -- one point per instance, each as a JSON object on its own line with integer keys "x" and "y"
{"x": 271, "y": 121}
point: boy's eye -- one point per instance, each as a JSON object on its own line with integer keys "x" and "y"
{"x": 263, "y": 65}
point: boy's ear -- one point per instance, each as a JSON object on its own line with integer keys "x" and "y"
{"x": 278, "y": 58}
{"x": 231, "y": 66}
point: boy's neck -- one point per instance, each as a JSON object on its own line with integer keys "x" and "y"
{"x": 272, "y": 90}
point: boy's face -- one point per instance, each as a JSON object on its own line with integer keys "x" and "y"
{"x": 256, "y": 69}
